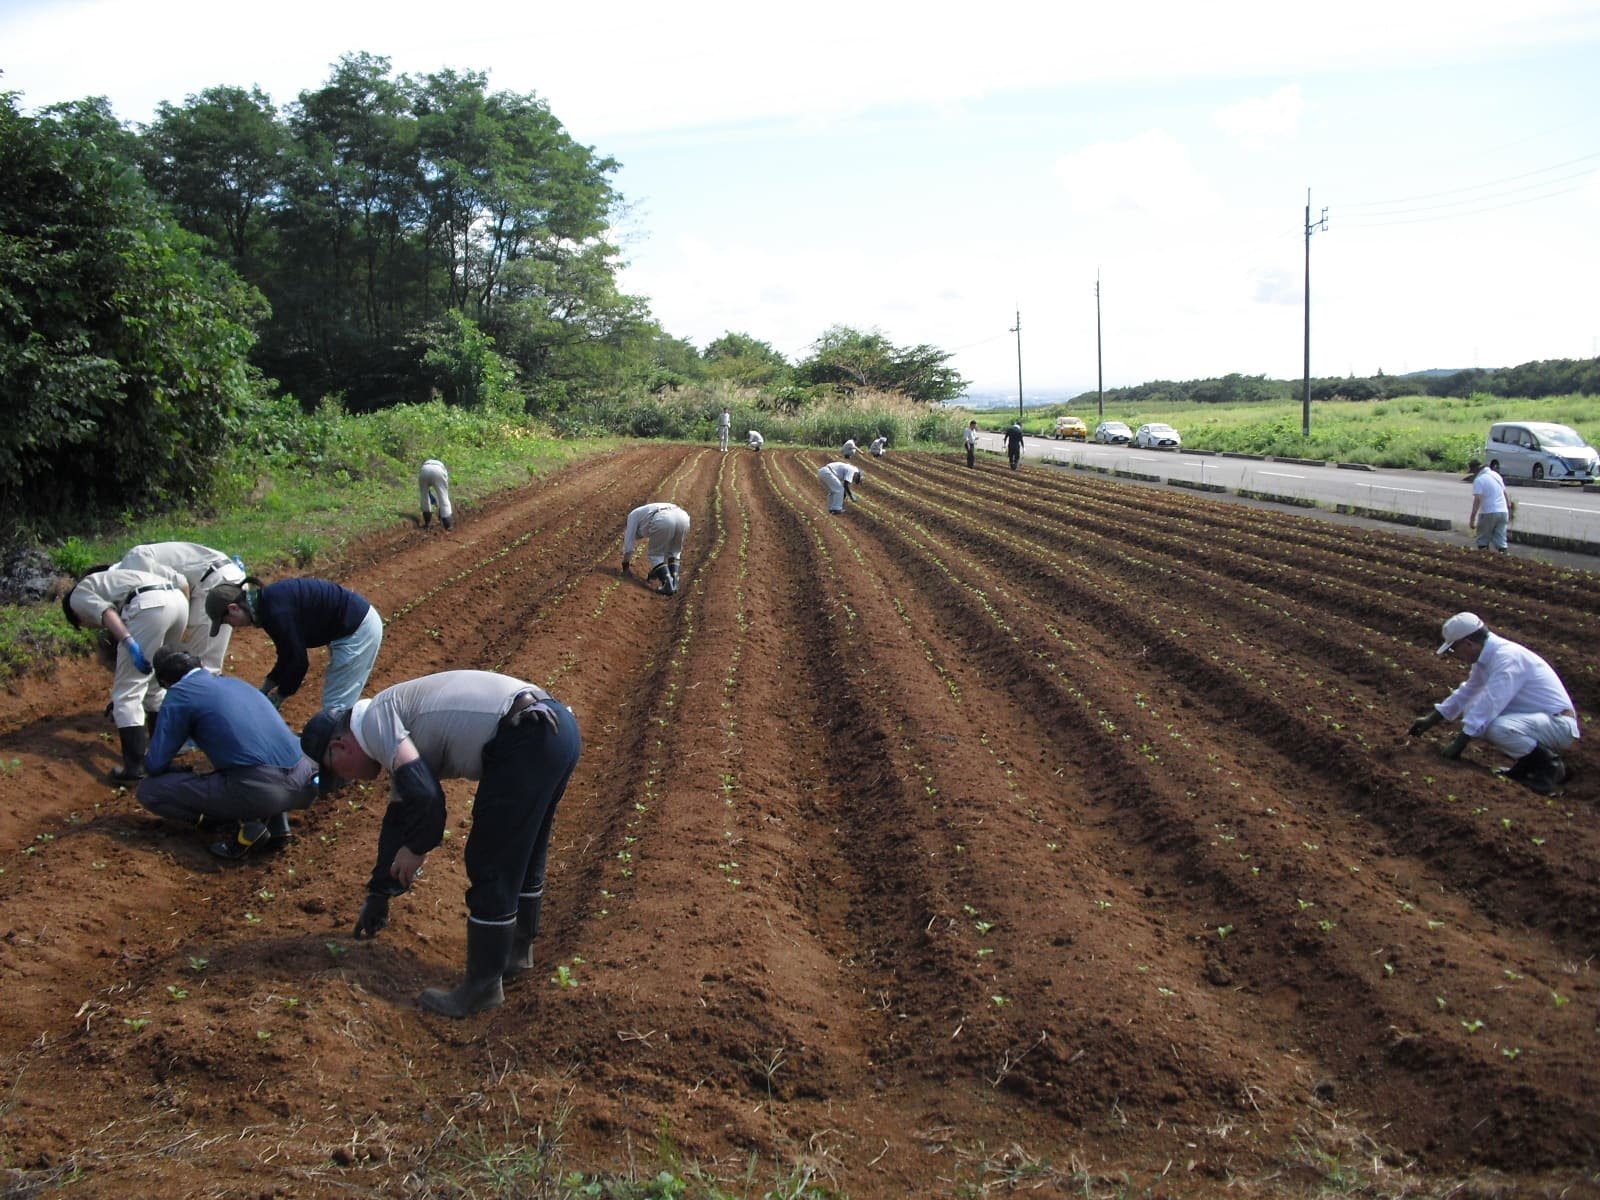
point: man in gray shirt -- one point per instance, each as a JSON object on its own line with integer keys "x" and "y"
{"x": 520, "y": 744}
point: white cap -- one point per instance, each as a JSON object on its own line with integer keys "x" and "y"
{"x": 1458, "y": 627}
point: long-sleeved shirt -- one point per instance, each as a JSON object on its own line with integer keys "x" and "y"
{"x": 300, "y": 613}
{"x": 846, "y": 472}
{"x": 1507, "y": 678}
{"x": 196, "y": 563}
{"x": 639, "y": 524}
{"x": 231, "y": 721}
{"x": 115, "y": 586}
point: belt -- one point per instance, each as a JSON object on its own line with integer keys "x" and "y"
{"x": 151, "y": 587}
{"x": 214, "y": 568}
{"x": 520, "y": 704}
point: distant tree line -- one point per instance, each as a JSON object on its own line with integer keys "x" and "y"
{"x": 1550, "y": 377}
{"x": 382, "y": 239}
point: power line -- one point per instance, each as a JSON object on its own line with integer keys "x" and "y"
{"x": 1476, "y": 187}
{"x": 1464, "y": 213}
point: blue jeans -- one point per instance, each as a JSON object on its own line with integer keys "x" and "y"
{"x": 350, "y": 662}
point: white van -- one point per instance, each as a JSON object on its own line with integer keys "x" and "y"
{"x": 1541, "y": 450}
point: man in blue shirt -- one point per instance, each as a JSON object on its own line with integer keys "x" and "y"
{"x": 260, "y": 772}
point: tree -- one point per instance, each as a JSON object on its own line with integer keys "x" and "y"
{"x": 742, "y": 360}
{"x": 850, "y": 359}
{"x": 122, "y": 346}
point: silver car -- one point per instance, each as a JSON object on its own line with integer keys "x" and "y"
{"x": 1541, "y": 450}
{"x": 1156, "y": 436}
{"x": 1112, "y": 433}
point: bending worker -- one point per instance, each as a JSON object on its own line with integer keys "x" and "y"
{"x": 837, "y": 478}
{"x": 665, "y": 525}
{"x": 433, "y": 482}
{"x": 521, "y": 745}
{"x": 298, "y": 614}
{"x": 1512, "y": 699}
{"x": 203, "y": 569}
{"x": 260, "y": 773}
{"x": 141, "y": 610}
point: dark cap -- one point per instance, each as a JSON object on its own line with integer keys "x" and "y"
{"x": 217, "y": 601}
{"x": 1473, "y": 467}
{"x": 172, "y": 665}
{"x": 322, "y": 729}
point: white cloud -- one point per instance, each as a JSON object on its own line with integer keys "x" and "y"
{"x": 1262, "y": 120}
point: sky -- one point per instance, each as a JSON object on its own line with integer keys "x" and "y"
{"x": 1113, "y": 193}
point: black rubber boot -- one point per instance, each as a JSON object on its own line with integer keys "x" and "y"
{"x": 488, "y": 948}
{"x": 520, "y": 960}
{"x": 134, "y": 742}
{"x": 251, "y": 835}
{"x": 278, "y": 827}
{"x": 1539, "y": 770}
{"x": 449, "y": 523}
{"x": 427, "y": 518}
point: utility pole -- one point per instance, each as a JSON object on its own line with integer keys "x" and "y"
{"x": 1305, "y": 387}
{"x": 1099, "y": 356}
{"x": 1017, "y": 329}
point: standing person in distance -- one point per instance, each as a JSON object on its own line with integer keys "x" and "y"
{"x": 879, "y": 445}
{"x": 972, "y": 443}
{"x": 755, "y": 440}
{"x": 433, "y": 483}
{"x": 848, "y": 450}
{"x": 837, "y": 478}
{"x": 724, "y": 425}
{"x": 1491, "y": 507}
{"x": 1512, "y": 699}
{"x": 298, "y": 614}
{"x": 202, "y": 569}
{"x": 521, "y": 745}
{"x": 1014, "y": 444}
{"x": 260, "y": 773}
{"x": 665, "y": 526}
{"x": 141, "y": 610}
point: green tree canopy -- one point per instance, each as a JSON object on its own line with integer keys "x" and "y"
{"x": 741, "y": 359}
{"x": 123, "y": 351}
{"x": 850, "y": 359}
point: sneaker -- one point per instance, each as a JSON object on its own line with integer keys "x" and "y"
{"x": 252, "y": 835}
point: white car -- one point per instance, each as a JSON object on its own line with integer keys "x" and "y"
{"x": 1156, "y": 436}
{"x": 1112, "y": 433}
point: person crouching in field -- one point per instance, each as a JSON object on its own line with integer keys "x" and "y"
{"x": 1512, "y": 699}
{"x": 666, "y": 526}
{"x": 879, "y": 445}
{"x": 521, "y": 745}
{"x": 433, "y": 482}
{"x": 298, "y": 614}
{"x": 260, "y": 773}
{"x": 138, "y": 609}
{"x": 755, "y": 440}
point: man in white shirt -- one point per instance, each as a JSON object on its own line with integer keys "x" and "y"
{"x": 1491, "y": 508}
{"x": 879, "y": 445}
{"x": 837, "y": 478}
{"x": 724, "y": 424}
{"x": 1512, "y": 699}
{"x": 433, "y": 483}
{"x": 756, "y": 440}
{"x": 664, "y": 526}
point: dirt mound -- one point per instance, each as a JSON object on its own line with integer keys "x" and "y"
{"x": 1012, "y": 829}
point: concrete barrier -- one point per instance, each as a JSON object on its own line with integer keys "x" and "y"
{"x": 1355, "y": 466}
{"x": 1273, "y": 497}
{"x": 1399, "y": 518}
{"x": 1196, "y": 485}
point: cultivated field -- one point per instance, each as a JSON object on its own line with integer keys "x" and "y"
{"x": 1011, "y": 828}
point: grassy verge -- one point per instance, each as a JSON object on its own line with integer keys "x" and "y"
{"x": 1408, "y": 432}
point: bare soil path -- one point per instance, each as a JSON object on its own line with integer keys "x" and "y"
{"x": 1010, "y": 829}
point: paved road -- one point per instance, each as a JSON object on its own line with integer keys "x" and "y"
{"x": 1564, "y": 512}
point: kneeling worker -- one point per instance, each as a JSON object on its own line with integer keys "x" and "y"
{"x": 1512, "y": 699}
{"x": 521, "y": 744}
{"x": 665, "y": 525}
{"x": 260, "y": 773}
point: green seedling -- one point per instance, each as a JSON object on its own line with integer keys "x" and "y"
{"x": 1559, "y": 999}
{"x": 1102, "y": 905}
{"x": 1224, "y": 930}
{"x": 198, "y": 964}
{"x": 263, "y": 1035}
{"x": 1305, "y": 904}
{"x": 563, "y": 977}
{"x": 333, "y": 948}
{"x": 265, "y": 894}
{"x": 1441, "y": 1002}
{"x": 97, "y": 866}
{"x": 1435, "y": 924}
{"x": 1325, "y": 925}
{"x": 291, "y": 1001}
{"x": 985, "y": 952}
{"x": 136, "y": 1023}
{"x": 1388, "y": 969}
{"x": 251, "y": 919}
{"x": 984, "y": 926}
{"x": 999, "y": 1001}
{"x": 1511, "y": 1052}
{"x": 176, "y": 992}
{"x": 1511, "y": 975}
{"x": 1472, "y": 1026}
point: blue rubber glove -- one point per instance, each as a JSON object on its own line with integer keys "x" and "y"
{"x": 135, "y": 653}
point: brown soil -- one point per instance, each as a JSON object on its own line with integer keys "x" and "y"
{"x": 1011, "y": 829}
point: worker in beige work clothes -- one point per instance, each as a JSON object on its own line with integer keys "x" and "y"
{"x": 665, "y": 525}
{"x": 142, "y": 611}
{"x": 203, "y": 569}
{"x": 433, "y": 482}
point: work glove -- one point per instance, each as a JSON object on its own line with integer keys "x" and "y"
{"x": 1426, "y": 722}
{"x": 1456, "y": 745}
{"x": 136, "y": 653}
{"x": 374, "y": 915}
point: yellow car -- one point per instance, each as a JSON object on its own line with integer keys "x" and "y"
{"x": 1072, "y": 428}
